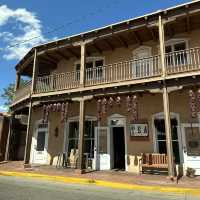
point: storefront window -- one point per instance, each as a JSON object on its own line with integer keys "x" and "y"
{"x": 88, "y": 137}
{"x": 161, "y": 137}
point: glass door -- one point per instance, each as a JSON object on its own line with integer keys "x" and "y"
{"x": 102, "y": 152}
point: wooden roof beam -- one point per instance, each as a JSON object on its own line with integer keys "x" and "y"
{"x": 188, "y": 24}
{"x": 51, "y": 58}
{"x": 122, "y": 41}
{"x": 136, "y": 37}
{"x": 97, "y": 48}
{"x": 62, "y": 55}
{"x": 48, "y": 61}
{"x": 109, "y": 44}
{"x": 73, "y": 53}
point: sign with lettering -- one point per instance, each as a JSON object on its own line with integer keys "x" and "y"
{"x": 139, "y": 130}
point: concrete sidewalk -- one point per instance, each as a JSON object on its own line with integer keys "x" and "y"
{"x": 122, "y": 180}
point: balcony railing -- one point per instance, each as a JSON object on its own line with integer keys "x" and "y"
{"x": 22, "y": 91}
{"x": 55, "y": 82}
{"x": 124, "y": 71}
{"x": 176, "y": 63}
{"x": 183, "y": 61}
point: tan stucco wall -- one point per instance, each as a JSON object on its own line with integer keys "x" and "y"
{"x": 149, "y": 104}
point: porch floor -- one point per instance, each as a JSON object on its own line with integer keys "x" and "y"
{"x": 112, "y": 176}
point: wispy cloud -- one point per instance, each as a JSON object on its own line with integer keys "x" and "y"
{"x": 26, "y": 26}
{"x": 3, "y": 108}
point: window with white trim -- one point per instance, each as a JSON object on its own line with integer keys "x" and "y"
{"x": 94, "y": 68}
{"x": 88, "y": 137}
{"x": 176, "y": 54}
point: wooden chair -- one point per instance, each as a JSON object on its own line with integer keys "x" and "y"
{"x": 153, "y": 161}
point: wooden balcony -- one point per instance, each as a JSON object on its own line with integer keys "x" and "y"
{"x": 178, "y": 64}
{"x": 22, "y": 92}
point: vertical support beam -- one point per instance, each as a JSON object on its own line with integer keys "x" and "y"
{"x": 166, "y": 102}
{"x": 17, "y": 83}
{"x": 34, "y": 74}
{"x": 28, "y": 137}
{"x": 28, "y": 131}
{"x": 82, "y": 68}
{"x": 162, "y": 45}
{"x": 168, "y": 132}
{"x": 81, "y": 136}
{"x": 8, "y": 138}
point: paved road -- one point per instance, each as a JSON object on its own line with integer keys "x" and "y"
{"x": 12, "y": 188}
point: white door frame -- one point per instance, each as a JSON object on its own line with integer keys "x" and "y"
{"x": 160, "y": 115}
{"x": 35, "y": 132}
{"x": 123, "y": 118}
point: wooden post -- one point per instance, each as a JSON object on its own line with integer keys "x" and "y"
{"x": 166, "y": 102}
{"x": 17, "y": 83}
{"x": 81, "y": 136}
{"x": 6, "y": 158}
{"x": 28, "y": 138}
{"x": 162, "y": 45}
{"x": 82, "y": 67}
{"x": 34, "y": 74}
{"x": 28, "y": 131}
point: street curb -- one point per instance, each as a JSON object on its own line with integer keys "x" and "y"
{"x": 63, "y": 179}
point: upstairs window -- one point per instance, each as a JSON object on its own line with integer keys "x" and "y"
{"x": 93, "y": 69}
{"x": 176, "y": 54}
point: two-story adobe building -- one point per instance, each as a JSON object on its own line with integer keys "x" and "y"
{"x": 105, "y": 96}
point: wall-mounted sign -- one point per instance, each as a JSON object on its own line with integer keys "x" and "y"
{"x": 139, "y": 130}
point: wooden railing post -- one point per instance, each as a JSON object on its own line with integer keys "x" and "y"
{"x": 166, "y": 102}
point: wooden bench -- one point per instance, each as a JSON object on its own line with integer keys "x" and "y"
{"x": 153, "y": 161}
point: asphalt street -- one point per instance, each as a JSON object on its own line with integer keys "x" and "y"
{"x": 14, "y": 188}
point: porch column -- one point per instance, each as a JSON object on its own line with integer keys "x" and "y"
{"x": 18, "y": 78}
{"x": 28, "y": 131}
{"x": 81, "y": 136}
{"x": 166, "y": 101}
{"x": 9, "y": 136}
{"x": 82, "y": 67}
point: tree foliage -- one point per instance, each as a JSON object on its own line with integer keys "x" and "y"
{"x": 9, "y": 92}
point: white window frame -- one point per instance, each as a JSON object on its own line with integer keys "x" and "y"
{"x": 92, "y": 59}
{"x": 136, "y": 51}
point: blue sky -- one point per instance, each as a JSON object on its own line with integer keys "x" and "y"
{"x": 22, "y": 19}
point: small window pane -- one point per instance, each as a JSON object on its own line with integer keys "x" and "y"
{"x": 180, "y": 46}
{"x": 41, "y": 141}
{"x": 99, "y": 63}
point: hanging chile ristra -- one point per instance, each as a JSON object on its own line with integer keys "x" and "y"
{"x": 99, "y": 111}
{"x": 192, "y": 103}
{"x": 118, "y": 101}
{"x": 44, "y": 113}
{"x": 198, "y": 101}
{"x": 134, "y": 108}
{"x": 62, "y": 112}
{"x": 104, "y": 106}
{"x": 110, "y": 102}
{"x": 128, "y": 103}
{"x": 66, "y": 111}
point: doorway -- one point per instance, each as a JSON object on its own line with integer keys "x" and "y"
{"x": 118, "y": 148}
